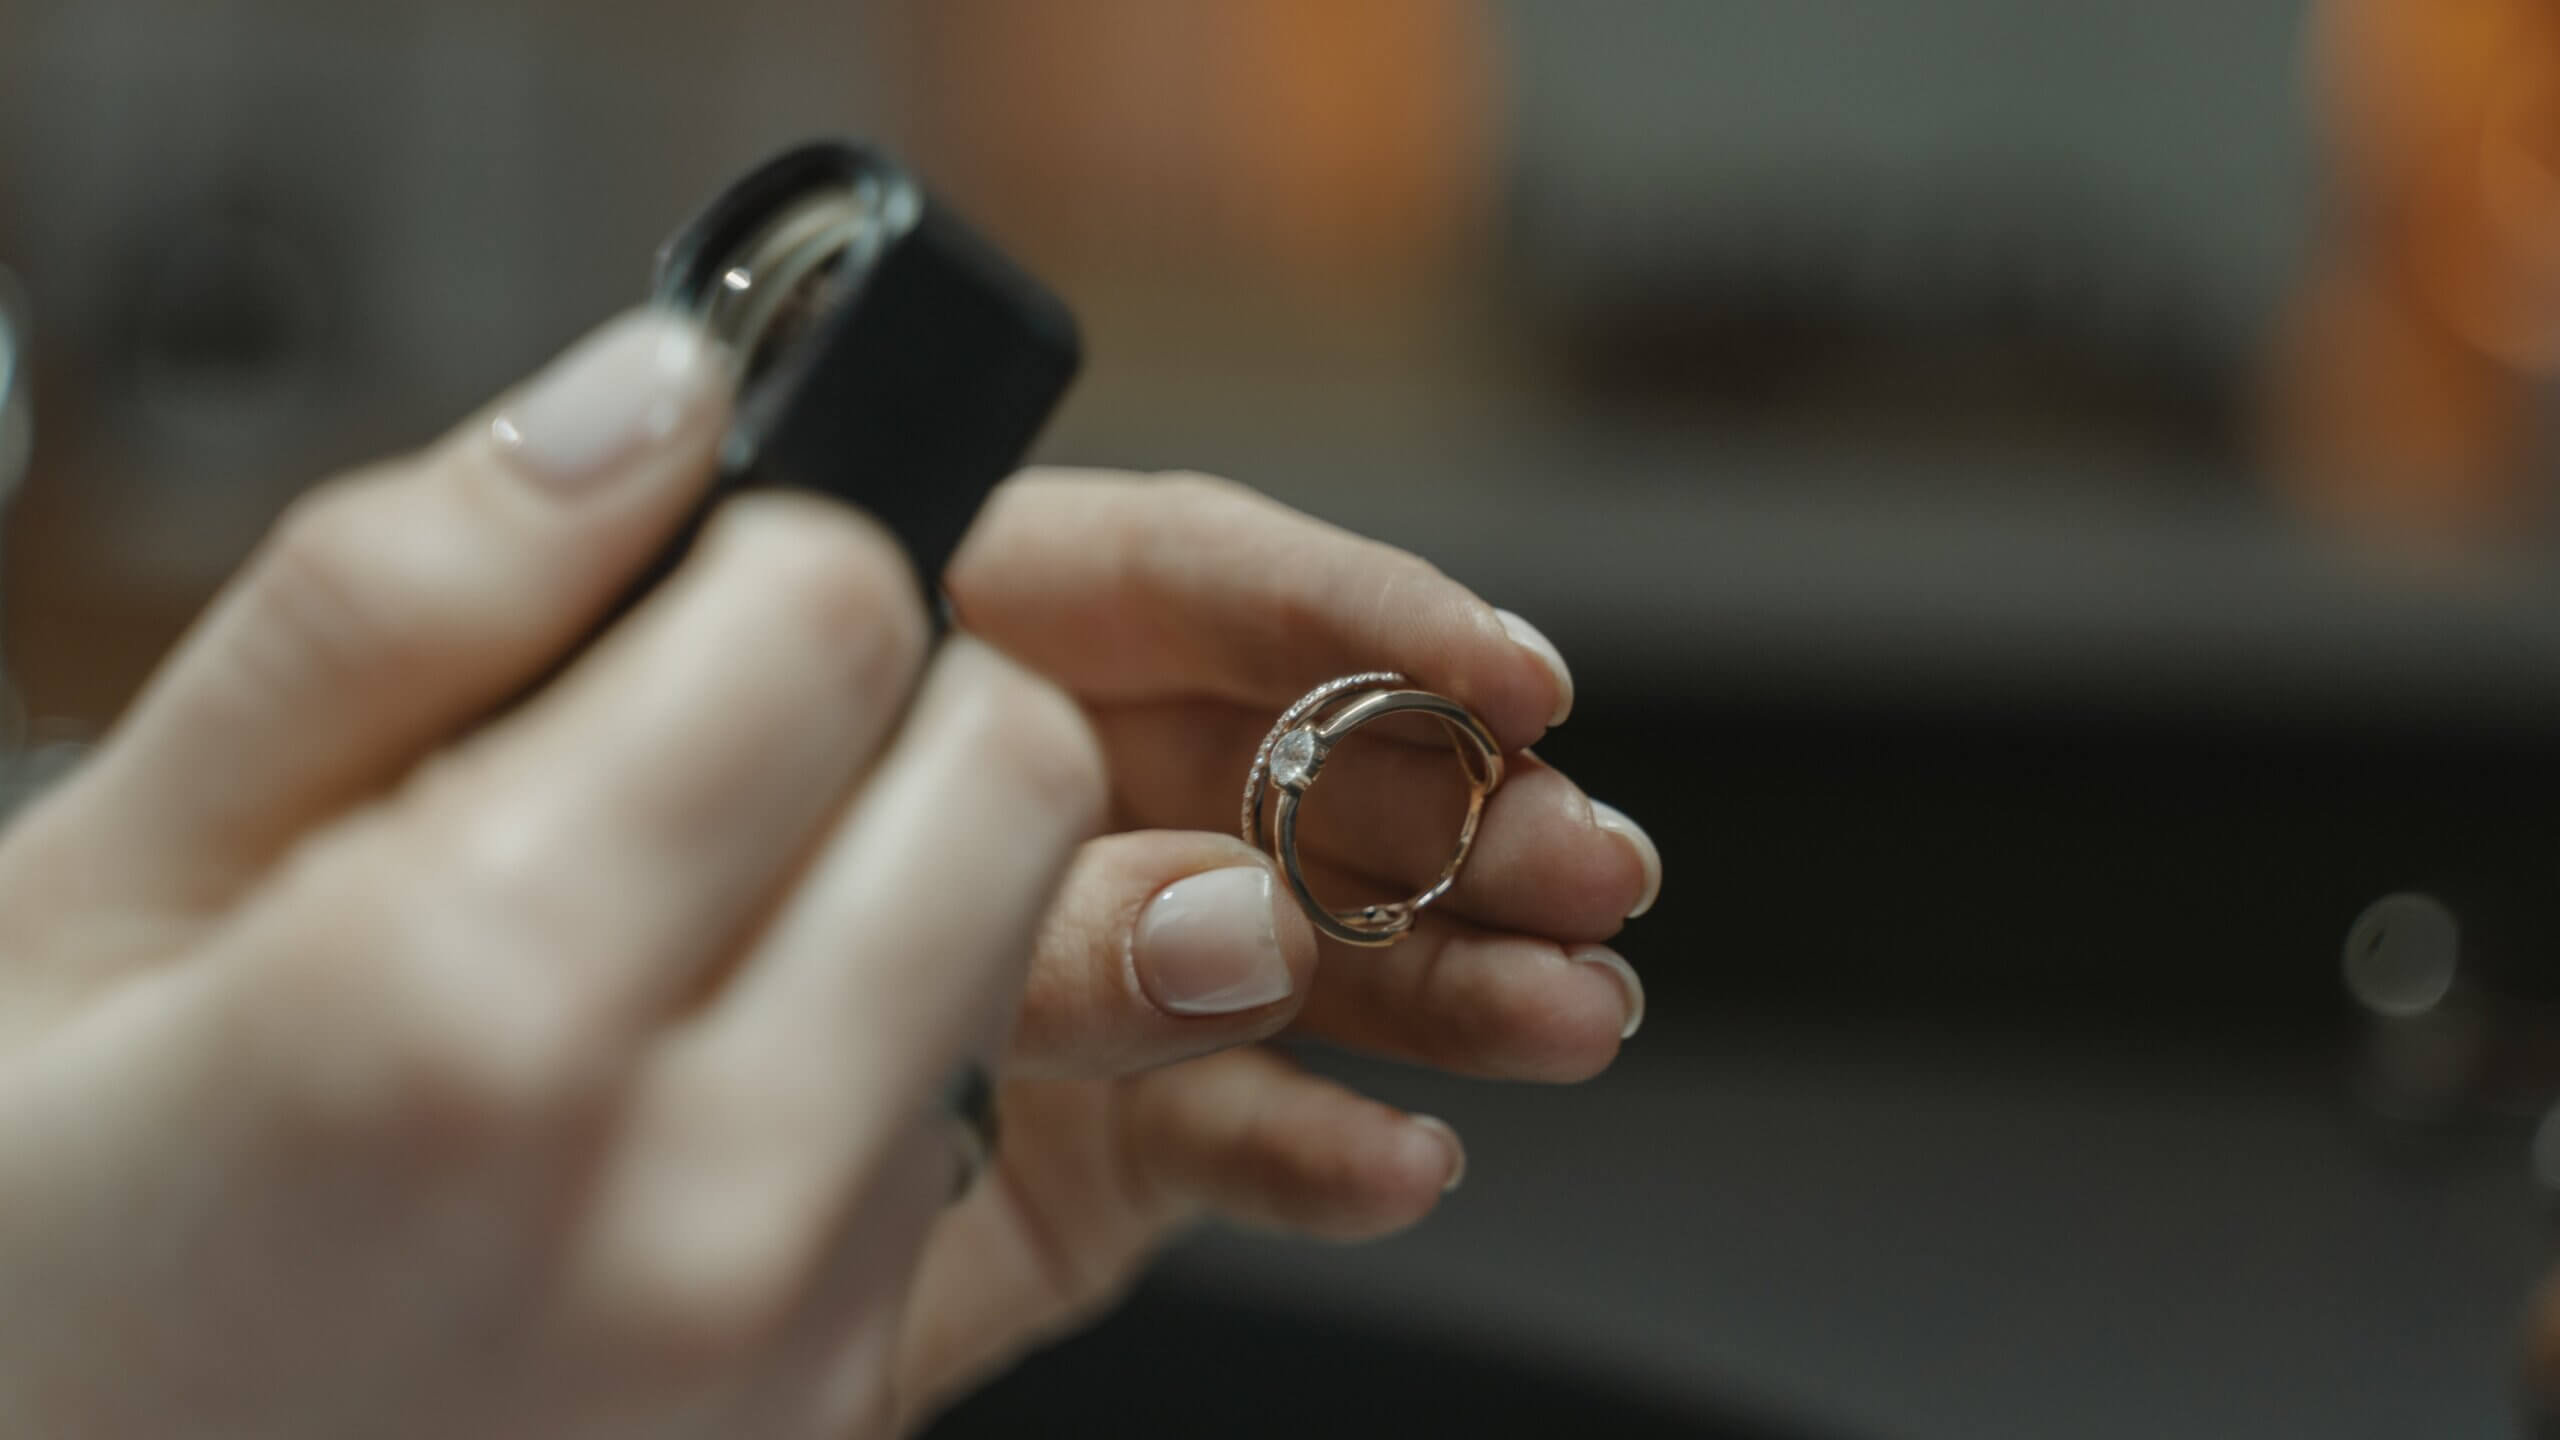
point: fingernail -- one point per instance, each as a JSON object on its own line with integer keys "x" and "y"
{"x": 1526, "y": 636}
{"x": 1616, "y": 964}
{"x": 1615, "y": 821}
{"x": 629, "y": 386}
{"x": 1210, "y": 945}
{"x": 1447, "y": 1139}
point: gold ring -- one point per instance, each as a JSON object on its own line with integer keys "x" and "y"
{"x": 1292, "y": 756}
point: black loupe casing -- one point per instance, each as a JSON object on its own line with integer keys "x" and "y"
{"x": 908, "y": 369}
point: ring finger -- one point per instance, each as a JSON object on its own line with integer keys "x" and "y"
{"x": 770, "y": 1119}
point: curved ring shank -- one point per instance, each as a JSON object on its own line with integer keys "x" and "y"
{"x": 1479, "y": 754}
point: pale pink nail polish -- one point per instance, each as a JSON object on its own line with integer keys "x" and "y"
{"x": 1447, "y": 1139}
{"x": 1615, "y": 821}
{"x": 1616, "y": 964}
{"x": 1527, "y": 637}
{"x": 614, "y": 395}
{"x": 1210, "y": 944}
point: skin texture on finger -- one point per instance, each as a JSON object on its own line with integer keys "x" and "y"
{"x": 1488, "y": 1003}
{"x": 206, "y": 1195}
{"x": 1542, "y": 863}
{"x": 390, "y": 609}
{"x": 1202, "y": 587}
{"x": 1163, "y": 945}
{"x": 115, "y": 1094}
{"x": 954, "y": 852}
{"x": 1242, "y": 1135}
{"x": 629, "y": 825}
{"x": 765, "y": 1119}
{"x": 1050, "y": 1238}
{"x": 833, "y": 1372}
{"x": 1254, "y": 1140}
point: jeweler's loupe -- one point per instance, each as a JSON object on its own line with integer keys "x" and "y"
{"x": 886, "y": 354}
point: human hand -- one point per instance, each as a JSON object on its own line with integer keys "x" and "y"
{"x": 1184, "y": 614}
{"x": 366, "y": 1069}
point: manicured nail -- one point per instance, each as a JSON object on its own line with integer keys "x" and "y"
{"x": 627, "y": 387}
{"x": 1615, "y": 821}
{"x": 1616, "y": 964}
{"x": 1526, "y": 636}
{"x": 1448, "y": 1140}
{"x": 1210, "y": 945}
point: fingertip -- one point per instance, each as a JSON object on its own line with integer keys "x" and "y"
{"x": 1648, "y": 857}
{"x": 1549, "y": 1018}
{"x": 1398, "y": 1178}
{"x": 1553, "y": 861}
{"x": 646, "y": 380}
{"x": 1504, "y": 670}
{"x": 1164, "y": 945}
{"x": 1615, "y": 966}
{"x": 1447, "y": 1155}
{"x": 1215, "y": 943}
{"x": 1550, "y": 662}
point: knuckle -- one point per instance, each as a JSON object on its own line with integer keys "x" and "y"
{"x": 320, "y": 584}
{"x": 1515, "y": 1005}
{"x": 700, "y": 1299}
{"x": 1189, "y": 502}
{"x": 834, "y": 578}
{"x": 1196, "y": 487}
{"x": 865, "y": 1402}
{"x": 402, "y": 1010}
{"x": 686, "y": 1329}
{"x": 1526, "y": 1020}
{"x": 1047, "y": 745}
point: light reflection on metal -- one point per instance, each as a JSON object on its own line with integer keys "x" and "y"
{"x": 16, "y": 426}
{"x": 17, "y": 442}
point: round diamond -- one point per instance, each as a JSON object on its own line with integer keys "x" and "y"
{"x": 1293, "y": 760}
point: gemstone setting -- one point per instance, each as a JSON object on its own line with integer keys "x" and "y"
{"x": 1295, "y": 760}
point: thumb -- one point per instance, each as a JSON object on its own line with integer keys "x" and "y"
{"x": 1163, "y": 945}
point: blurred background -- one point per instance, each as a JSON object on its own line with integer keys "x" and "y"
{"x": 2049, "y": 503}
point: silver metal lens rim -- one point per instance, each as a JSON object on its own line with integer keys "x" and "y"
{"x": 17, "y": 403}
{"x": 814, "y": 240}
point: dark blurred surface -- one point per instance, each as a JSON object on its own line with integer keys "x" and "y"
{"x": 1188, "y": 1359}
{"x": 1919, "y": 425}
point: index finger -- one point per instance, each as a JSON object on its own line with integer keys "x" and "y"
{"x": 1126, "y": 587}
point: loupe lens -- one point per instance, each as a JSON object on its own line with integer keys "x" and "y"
{"x": 886, "y": 355}
{"x": 765, "y": 293}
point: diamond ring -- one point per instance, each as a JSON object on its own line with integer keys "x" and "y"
{"x": 1293, "y": 755}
